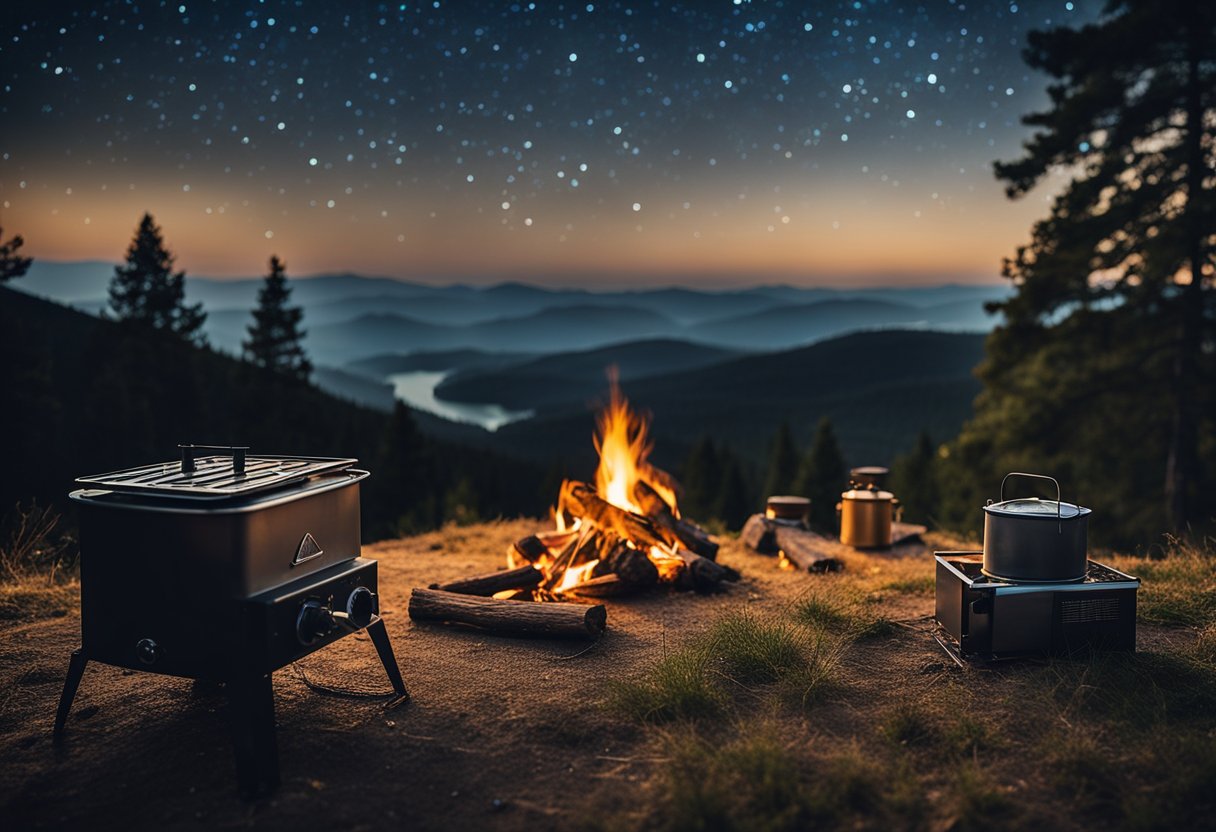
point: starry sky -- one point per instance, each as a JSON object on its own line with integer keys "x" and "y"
{"x": 572, "y": 143}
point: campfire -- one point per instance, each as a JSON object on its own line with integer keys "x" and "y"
{"x": 624, "y": 534}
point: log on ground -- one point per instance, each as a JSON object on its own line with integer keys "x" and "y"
{"x": 806, "y": 550}
{"x": 525, "y": 577}
{"x": 515, "y": 618}
{"x": 703, "y": 574}
{"x": 760, "y": 534}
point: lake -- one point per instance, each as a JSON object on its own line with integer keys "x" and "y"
{"x": 417, "y": 389}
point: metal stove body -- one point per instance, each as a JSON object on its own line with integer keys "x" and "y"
{"x": 991, "y": 619}
{"x": 224, "y": 568}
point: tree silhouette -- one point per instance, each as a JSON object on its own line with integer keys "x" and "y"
{"x": 822, "y": 476}
{"x": 701, "y": 475}
{"x": 733, "y": 504}
{"x": 783, "y": 463}
{"x": 275, "y": 334}
{"x": 147, "y": 292}
{"x": 1107, "y": 342}
{"x": 914, "y": 480}
{"x": 11, "y": 263}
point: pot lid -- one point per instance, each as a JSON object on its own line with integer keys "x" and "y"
{"x": 866, "y": 494}
{"x": 1035, "y": 507}
{"x": 224, "y": 473}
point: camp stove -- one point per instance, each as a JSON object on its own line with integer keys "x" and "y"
{"x": 224, "y": 567}
{"x": 990, "y": 618}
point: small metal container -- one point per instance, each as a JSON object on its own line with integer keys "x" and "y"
{"x": 867, "y": 475}
{"x": 866, "y": 515}
{"x": 1033, "y": 540}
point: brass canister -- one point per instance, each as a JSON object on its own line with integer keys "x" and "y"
{"x": 865, "y": 518}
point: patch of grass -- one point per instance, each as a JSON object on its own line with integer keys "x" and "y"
{"x": 34, "y": 599}
{"x": 1139, "y": 690}
{"x": 908, "y": 725}
{"x": 34, "y": 547}
{"x": 845, "y": 611}
{"x": 751, "y": 651}
{"x": 1178, "y": 589}
{"x": 1182, "y": 787}
{"x": 741, "y": 653}
{"x": 968, "y": 736}
{"x": 975, "y": 799}
{"x": 919, "y": 585}
{"x": 1080, "y": 768}
{"x": 677, "y": 688}
{"x": 758, "y": 782}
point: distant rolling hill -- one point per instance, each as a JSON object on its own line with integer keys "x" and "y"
{"x": 382, "y": 366}
{"x": 576, "y": 377}
{"x": 550, "y": 330}
{"x": 878, "y": 388}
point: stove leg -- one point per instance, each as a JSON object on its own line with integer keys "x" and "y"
{"x": 253, "y": 734}
{"x": 385, "y": 649}
{"x": 70, "y": 684}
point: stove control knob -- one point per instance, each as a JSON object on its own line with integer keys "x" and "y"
{"x": 147, "y": 650}
{"x": 313, "y": 622}
{"x": 361, "y": 607}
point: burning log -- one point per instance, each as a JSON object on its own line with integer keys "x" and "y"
{"x": 525, "y": 577}
{"x": 629, "y": 564}
{"x": 532, "y": 548}
{"x": 760, "y": 534}
{"x": 601, "y": 586}
{"x": 805, "y": 550}
{"x": 702, "y": 574}
{"x": 580, "y": 500}
{"x": 519, "y": 618}
{"x": 686, "y": 533}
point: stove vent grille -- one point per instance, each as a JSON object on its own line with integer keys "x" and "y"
{"x": 1085, "y": 610}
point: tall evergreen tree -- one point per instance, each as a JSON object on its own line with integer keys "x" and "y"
{"x": 275, "y": 334}
{"x": 701, "y": 475}
{"x": 12, "y": 264}
{"x": 1113, "y": 311}
{"x": 733, "y": 503}
{"x": 914, "y": 481}
{"x": 782, "y": 463}
{"x": 822, "y": 476}
{"x": 148, "y": 292}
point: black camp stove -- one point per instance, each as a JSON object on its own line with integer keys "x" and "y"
{"x": 224, "y": 567}
{"x": 987, "y": 618}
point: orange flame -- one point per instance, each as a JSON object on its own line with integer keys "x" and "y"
{"x": 623, "y": 442}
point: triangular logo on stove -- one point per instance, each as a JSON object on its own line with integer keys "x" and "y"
{"x": 308, "y": 550}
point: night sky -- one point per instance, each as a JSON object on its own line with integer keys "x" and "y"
{"x": 719, "y": 143}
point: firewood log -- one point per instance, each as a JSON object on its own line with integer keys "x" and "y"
{"x": 686, "y": 533}
{"x": 531, "y": 548}
{"x": 806, "y": 550}
{"x": 702, "y": 574}
{"x": 580, "y": 500}
{"x": 760, "y": 534}
{"x": 631, "y": 565}
{"x": 657, "y": 476}
{"x": 525, "y": 577}
{"x": 518, "y": 618}
{"x": 602, "y": 586}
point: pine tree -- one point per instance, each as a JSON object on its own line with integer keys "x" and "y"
{"x": 733, "y": 504}
{"x": 822, "y": 476}
{"x": 11, "y": 263}
{"x": 701, "y": 475}
{"x": 147, "y": 292}
{"x": 404, "y": 491}
{"x": 914, "y": 481}
{"x": 783, "y": 463}
{"x": 275, "y": 334}
{"x": 1113, "y": 311}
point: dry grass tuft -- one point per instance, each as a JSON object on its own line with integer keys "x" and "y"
{"x": 34, "y": 547}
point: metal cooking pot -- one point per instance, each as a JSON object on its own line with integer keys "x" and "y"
{"x": 865, "y": 517}
{"x": 1029, "y": 539}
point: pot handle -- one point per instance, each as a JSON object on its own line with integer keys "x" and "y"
{"x": 237, "y": 452}
{"x": 1059, "y": 505}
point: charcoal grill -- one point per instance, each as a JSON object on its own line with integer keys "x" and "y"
{"x": 224, "y": 567}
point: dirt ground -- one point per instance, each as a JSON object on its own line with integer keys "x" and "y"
{"x": 500, "y": 733}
